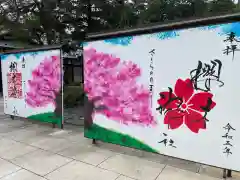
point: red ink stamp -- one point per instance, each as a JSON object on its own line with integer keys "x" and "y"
{"x": 15, "y": 85}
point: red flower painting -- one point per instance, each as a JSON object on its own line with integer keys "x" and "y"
{"x": 184, "y": 106}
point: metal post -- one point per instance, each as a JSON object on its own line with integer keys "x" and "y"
{"x": 53, "y": 125}
{"x": 94, "y": 141}
{"x": 227, "y": 173}
{"x": 224, "y": 173}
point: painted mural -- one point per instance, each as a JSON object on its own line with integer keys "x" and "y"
{"x": 32, "y": 85}
{"x": 173, "y": 93}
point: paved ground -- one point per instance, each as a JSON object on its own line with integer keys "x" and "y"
{"x": 37, "y": 152}
{"x": 74, "y": 115}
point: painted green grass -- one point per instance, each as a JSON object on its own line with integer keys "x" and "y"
{"x": 49, "y": 117}
{"x": 106, "y": 135}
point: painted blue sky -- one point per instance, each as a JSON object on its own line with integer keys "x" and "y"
{"x": 224, "y": 29}
{"x": 18, "y": 55}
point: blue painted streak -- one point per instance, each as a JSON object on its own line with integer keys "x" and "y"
{"x": 232, "y": 27}
{"x": 166, "y": 35}
{"x": 84, "y": 44}
{"x": 19, "y": 55}
{"x": 224, "y": 28}
{"x": 123, "y": 41}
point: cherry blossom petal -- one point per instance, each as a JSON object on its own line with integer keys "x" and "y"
{"x": 202, "y": 102}
{"x": 166, "y": 102}
{"x": 184, "y": 89}
{"x": 194, "y": 121}
{"x": 174, "y": 119}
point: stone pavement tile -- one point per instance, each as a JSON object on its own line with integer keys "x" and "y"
{"x": 6, "y": 144}
{"x": 80, "y": 171}
{"x": 130, "y": 151}
{"x": 11, "y": 149}
{"x": 133, "y": 167}
{"x": 7, "y": 126}
{"x": 133, "y": 152}
{"x": 117, "y": 148}
{"x": 34, "y": 139}
{"x": 72, "y": 135}
{"x": 13, "y": 123}
{"x": 124, "y": 178}
{"x": 40, "y": 128}
{"x": 40, "y": 162}
{"x": 52, "y": 133}
{"x": 155, "y": 157}
{"x": 87, "y": 153}
{"x": 78, "y": 137}
{"x": 235, "y": 175}
{"x": 60, "y": 133}
{"x": 216, "y": 172}
{"x": 26, "y": 132}
{"x": 79, "y": 129}
{"x": 7, "y": 168}
{"x": 183, "y": 164}
{"x": 31, "y": 139}
{"x": 211, "y": 171}
{"x": 172, "y": 173}
{"x": 5, "y": 129}
{"x": 23, "y": 175}
{"x": 51, "y": 144}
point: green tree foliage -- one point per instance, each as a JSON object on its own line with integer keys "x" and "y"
{"x": 221, "y": 6}
{"x": 56, "y": 21}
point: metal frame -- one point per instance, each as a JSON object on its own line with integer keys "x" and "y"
{"x": 61, "y": 70}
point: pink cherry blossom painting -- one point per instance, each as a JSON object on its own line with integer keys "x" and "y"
{"x": 44, "y": 92}
{"x": 45, "y": 83}
{"x": 114, "y": 83}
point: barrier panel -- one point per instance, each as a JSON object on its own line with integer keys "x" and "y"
{"x": 173, "y": 92}
{"x": 32, "y": 84}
